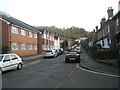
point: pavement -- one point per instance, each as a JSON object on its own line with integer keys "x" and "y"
{"x": 28, "y": 59}
{"x": 87, "y": 62}
{"x": 92, "y": 64}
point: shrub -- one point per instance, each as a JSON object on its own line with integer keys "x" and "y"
{"x": 5, "y": 49}
{"x": 105, "y": 54}
{"x": 97, "y": 52}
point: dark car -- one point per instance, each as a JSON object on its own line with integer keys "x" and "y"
{"x": 72, "y": 56}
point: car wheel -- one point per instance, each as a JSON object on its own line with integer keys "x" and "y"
{"x": 19, "y": 66}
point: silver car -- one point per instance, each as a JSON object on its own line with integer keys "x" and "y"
{"x": 50, "y": 53}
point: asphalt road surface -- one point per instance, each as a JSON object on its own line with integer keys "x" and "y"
{"x": 55, "y": 73}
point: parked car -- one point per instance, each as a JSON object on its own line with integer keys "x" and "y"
{"x": 61, "y": 51}
{"x": 57, "y": 51}
{"x": 72, "y": 56}
{"x": 10, "y": 61}
{"x": 50, "y": 53}
{"x": 78, "y": 49}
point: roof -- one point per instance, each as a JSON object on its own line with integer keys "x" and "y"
{"x": 17, "y": 22}
{"x": 116, "y": 15}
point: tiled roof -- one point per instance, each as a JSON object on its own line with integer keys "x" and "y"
{"x": 17, "y": 22}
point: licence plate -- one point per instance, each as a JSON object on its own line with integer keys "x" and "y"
{"x": 72, "y": 58}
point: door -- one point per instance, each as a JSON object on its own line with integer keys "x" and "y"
{"x": 14, "y": 60}
{"x": 6, "y": 64}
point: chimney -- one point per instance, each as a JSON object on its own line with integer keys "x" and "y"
{"x": 102, "y": 21}
{"x": 96, "y": 28}
{"x": 110, "y": 12}
{"x": 119, "y": 6}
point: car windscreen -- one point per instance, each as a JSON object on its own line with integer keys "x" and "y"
{"x": 1, "y": 56}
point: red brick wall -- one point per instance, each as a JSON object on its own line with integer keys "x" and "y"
{"x": 5, "y": 33}
{"x": 18, "y": 38}
{"x": 40, "y": 41}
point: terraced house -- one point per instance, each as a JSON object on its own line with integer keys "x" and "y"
{"x": 20, "y": 37}
{"x": 105, "y": 35}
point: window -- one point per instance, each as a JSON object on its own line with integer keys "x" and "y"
{"x": 108, "y": 42}
{"x": 108, "y": 28}
{"x": 44, "y": 47}
{"x": 7, "y": 58}
{"x": 1, "y": 57}
{"x": 14, "y": 46}
{"x": 23, "y": 32}
{"x": 13, "y": 57}
{"x": 44, "y": 36}
{"x": 50, "y": 38}
{"x": 23, "y": 46}
{"x": 117, "y": 22}
{"x": 14, "y": 30}
{"x": 102, "y": 42}
{"x": 35, "y": 35}
{"x": 35, "y": 47}
{"x": 30, "y": 46}
{"x": 30, "y": 34}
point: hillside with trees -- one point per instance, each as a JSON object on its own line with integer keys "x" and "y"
{"x": 72, "y": 32}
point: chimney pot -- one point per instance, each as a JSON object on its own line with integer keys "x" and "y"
{"x": 110, "y": 12}
{"x": 96, "y": 28}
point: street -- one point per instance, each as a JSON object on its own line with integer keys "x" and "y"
{"x": 55, "y": 73}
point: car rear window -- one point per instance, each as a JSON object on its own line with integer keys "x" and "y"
{"x": 48, "y": 51}
{"x": 72, "y": 52}
{"x": 1, "y": 56}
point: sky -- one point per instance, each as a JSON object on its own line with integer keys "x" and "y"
{"x": 60, "y": 13}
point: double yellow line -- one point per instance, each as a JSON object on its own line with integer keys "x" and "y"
{"x": 96, "y": 72}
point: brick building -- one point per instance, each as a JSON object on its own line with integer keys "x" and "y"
{"x": 20, "y": 37}
{"x": 105, "y": 35}
{"x": 47, "y": 40}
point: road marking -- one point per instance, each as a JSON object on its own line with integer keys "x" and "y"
{"x": 59, "y": 85}
{"x": 96, "y": 72}
{"x": 71, "y": 72}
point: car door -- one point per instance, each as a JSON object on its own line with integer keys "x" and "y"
{"x": 6, "y": 64}
{"x": 14, "y": 60}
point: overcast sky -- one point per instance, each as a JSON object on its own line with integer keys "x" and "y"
{"x": 60, "y": 13}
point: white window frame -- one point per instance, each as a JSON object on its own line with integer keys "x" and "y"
{"x": 35, "y": 47}
{"x": 14, "y": 46}
{"x": 44, "y": 47}
{"x": 35, "y": 35}
{"x": 23, "y": 32}
{"x": 47, "y": 37}
{"x": 30, "y": 46}
{"x": 108, "y": 28}
{"x": 14, "y": 30}
{"x": 44, "y": 36}
{"x": 117, "y": 22}
{"x": 23, "y": 46}
{"x": 30, "y": 34}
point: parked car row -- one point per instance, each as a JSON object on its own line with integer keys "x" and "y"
{"x": 53, "y": 53}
